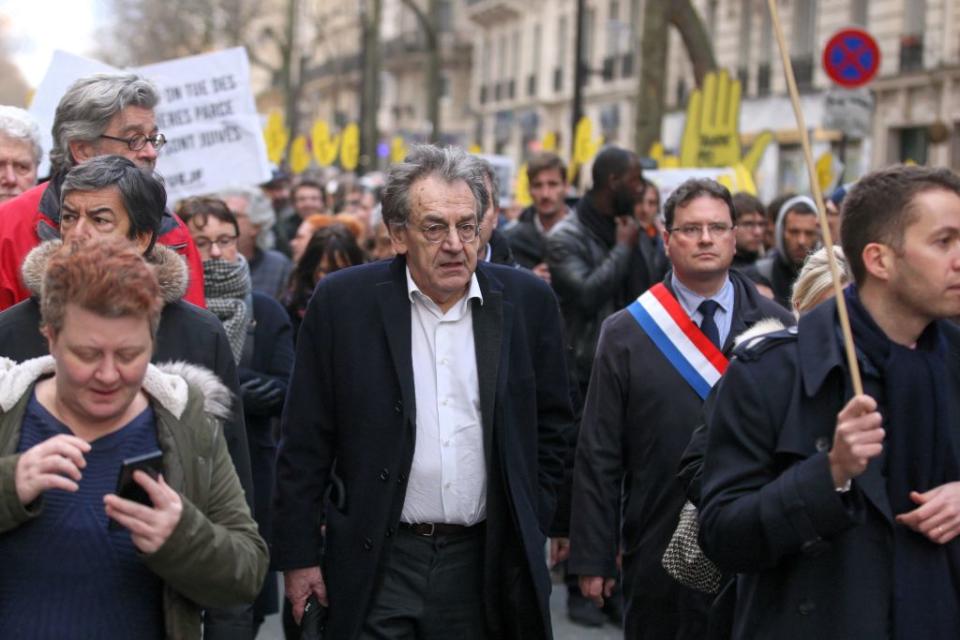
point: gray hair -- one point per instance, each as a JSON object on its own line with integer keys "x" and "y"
{"x": 486, "y": 171}
{"x": 259, "y": 209}
{"x": 143, "y": 193}
{"x": 450, "y": 164}
{"x": 87, "y": 107}
{"x": 17, "y": 124}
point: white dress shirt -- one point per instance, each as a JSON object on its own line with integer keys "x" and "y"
{"x": 448, "y": 478}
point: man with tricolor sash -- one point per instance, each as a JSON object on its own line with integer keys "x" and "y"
{"x": 656, "y": 362}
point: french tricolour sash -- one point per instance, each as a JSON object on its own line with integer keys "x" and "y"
{"x": 679, "y": 339}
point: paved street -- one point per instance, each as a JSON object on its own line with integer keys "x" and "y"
{"x": 563, "y": 629}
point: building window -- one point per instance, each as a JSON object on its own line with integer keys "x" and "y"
{"x": 763, "y": 79}
{"x": 746, "y": 20}
{"x": 803, "y": 42}
{"x": 911, "y": 42}
{"x": 858, "y": 12}
{"x": 912, "y": 145}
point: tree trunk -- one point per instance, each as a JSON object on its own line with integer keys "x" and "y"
{"x": 696, "y": 40}
{"x": 370, "y": 83}
{"x": 432, "y": 33}
{"x": 651, "y": 91}
{"x": 287, "y": 73}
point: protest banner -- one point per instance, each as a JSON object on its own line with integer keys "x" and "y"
{"x": 206, "y": 111}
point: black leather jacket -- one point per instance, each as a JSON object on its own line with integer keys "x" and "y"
{"x": 590, "y": 279}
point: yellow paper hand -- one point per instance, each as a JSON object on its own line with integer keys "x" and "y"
{"x": 711, "y": 135}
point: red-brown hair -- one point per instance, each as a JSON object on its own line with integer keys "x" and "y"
{"x": 107, "y": 278}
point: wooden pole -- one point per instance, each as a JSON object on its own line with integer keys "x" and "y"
{"x": 818, "y": 199}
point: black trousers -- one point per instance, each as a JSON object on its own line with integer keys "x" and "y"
{"x": 432, "y": 589}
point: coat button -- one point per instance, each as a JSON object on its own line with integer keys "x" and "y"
{"x": 367, "y": 544}
{"x": 398, "y": 407}
{"x": 389, "y": 531}
{"x": 385, "y": 475}
{"x": 401, "y": 477}
{"x": 806, "y": 607}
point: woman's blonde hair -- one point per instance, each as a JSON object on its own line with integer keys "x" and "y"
{"x": 815, "y": 280}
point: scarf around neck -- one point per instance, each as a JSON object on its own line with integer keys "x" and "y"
{"x": 228, "y": 291}
{"x": 919, "y": 455}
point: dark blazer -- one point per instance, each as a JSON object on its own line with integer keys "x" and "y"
{"x": 186, "y": 333}
{"x": 638, "y": 417}
{"x": 814, "y": 563}
{"x": 351, "y": 402}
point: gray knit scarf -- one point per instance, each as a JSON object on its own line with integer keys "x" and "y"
{"x": 227, "y": 288}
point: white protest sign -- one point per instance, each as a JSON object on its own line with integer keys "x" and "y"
{"x": 206, "y": 111}
{"x": 667, "y": 180}
{"x": 64, "y": 70}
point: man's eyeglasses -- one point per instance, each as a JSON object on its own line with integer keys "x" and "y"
{"x": 693, "y": 231}
{"x": 139, "y": 141}
{"x": 224, "y": 242}
{"x": 437, "y": 233}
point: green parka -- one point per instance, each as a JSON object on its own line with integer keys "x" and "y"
{"x": 215, "y": 557}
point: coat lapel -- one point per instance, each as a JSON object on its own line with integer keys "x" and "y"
{"x": 395, "y": 315}
{"x": 488, "y": 342}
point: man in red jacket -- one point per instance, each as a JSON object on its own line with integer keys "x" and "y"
{"x": 98, "y": 115}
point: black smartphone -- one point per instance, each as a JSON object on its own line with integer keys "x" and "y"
{"x": 314, "y": 621}
{"x": 151, "y": 464}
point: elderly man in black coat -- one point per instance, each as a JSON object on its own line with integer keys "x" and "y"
{"x": 643, "y": 403}
{"x": 840, "y": 511}
{"x": 427, "y": 419}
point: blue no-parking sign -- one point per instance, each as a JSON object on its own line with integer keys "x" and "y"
{"x": 851, "y": 58}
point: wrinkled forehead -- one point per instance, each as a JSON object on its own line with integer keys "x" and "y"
{"x": 433, "y": 198}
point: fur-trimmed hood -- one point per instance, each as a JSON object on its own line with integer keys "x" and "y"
{"x": 168, "y": 384}
{"x": 761, "y": 328}
{"x": 169, "y": 267}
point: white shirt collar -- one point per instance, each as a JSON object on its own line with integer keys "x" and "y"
{"x": 413, "y": 291}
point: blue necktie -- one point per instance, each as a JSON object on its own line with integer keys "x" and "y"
{"x": 707, "y": 308}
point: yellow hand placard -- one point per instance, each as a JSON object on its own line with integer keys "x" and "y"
{"x": 275, "y": 135}
{"x": 521, "y": 187}
{"x": 325, "y": 145}
{"x": 398, "y": 149}
{"x": 474, "y": 149}
{"x": 549, "y": 142}
{"x": 299, "y": 155}
{"x": 711, "y": 134}
{"x": 585, "y": 146}
{"x": 350, "y": 147}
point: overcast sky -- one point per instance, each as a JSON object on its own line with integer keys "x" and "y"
{"x": 38, "y": 27}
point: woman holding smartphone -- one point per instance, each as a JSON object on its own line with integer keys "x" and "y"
{"x": 67, "y": 423}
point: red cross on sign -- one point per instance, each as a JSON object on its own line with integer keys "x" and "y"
{"x": 851, "y": 58}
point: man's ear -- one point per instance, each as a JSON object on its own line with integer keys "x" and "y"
{"x": 878, "y": 260}
{"x": 143, "y": 241}
{"x": 398, "y": 238}
{"x": 82, "y": 150}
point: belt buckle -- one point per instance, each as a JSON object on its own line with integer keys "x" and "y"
{"x": 433, "y": 530}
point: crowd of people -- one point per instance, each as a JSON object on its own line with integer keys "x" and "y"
{"x": 413, "y": 399}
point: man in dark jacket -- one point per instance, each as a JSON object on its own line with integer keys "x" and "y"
{"x": 839, "y": 510}
{"x": 594, "y": 266}
{"x": 98, "y": 115}
{"x": 493, "y": 246}
{"x": 797, "y": 235}
{"x": 110, "y": 197}
{"x": 642, "y": 405}
{"x": 547, "y": 177}
{"x": 429, "y": 394}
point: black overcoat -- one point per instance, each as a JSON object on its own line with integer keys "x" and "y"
{"x": 814, "y": 563}
{"x": 351, "y": 403}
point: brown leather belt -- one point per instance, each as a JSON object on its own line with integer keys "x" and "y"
{"x": 433, "y": 529}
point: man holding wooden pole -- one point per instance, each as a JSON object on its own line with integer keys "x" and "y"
{"x": 840, "y": 510}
